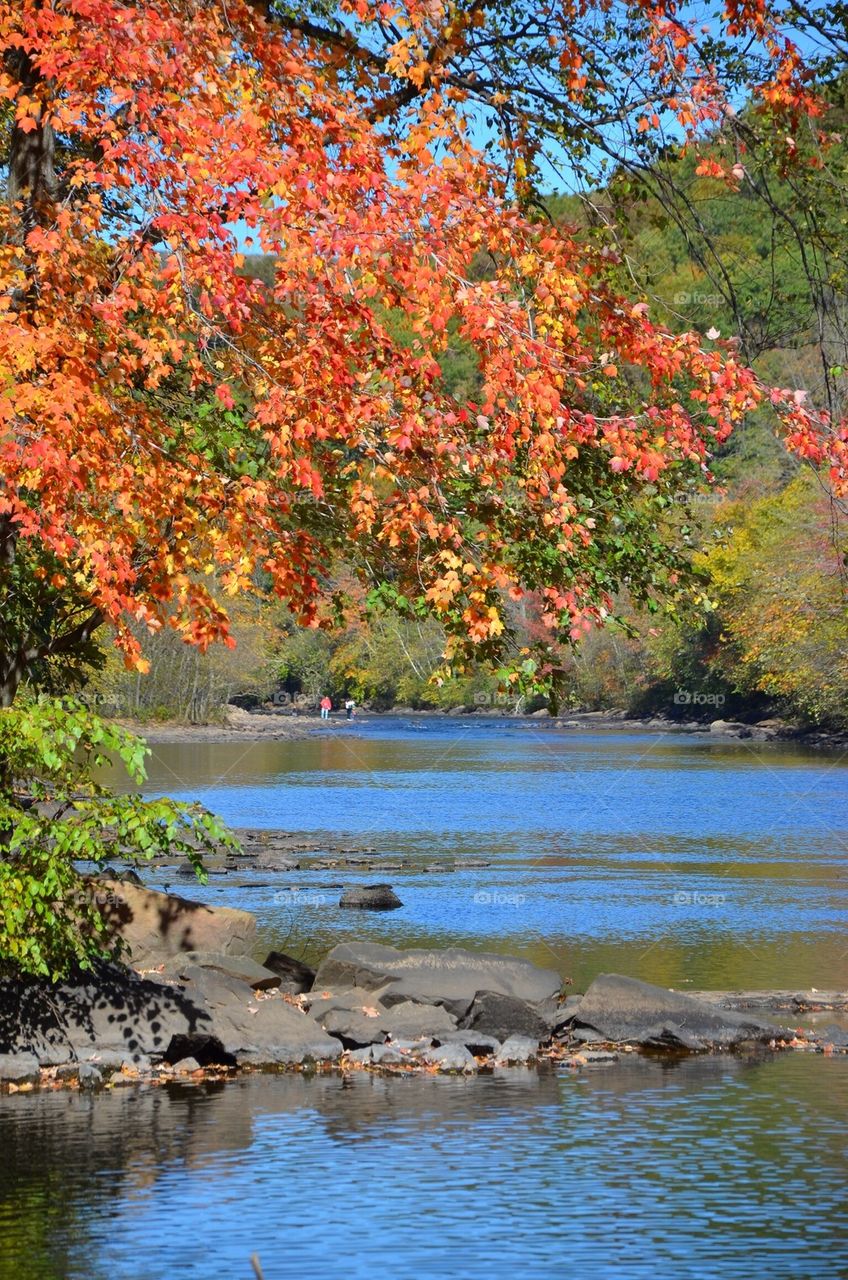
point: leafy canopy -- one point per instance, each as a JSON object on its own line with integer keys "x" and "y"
{"x": 145, "y": 140}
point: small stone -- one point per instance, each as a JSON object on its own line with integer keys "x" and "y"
{"x": 517, "y": 1049}
{"x": 186, "y": 1066}
{"x": 451, "y": 1057}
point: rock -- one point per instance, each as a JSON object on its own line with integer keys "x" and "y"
{"x": 730, "y": 728}
{"x": 409, "y": 1021}
{"x": 352, "y": 999}
{"x": 108, "y": 1010}
{"x": 206, "y": 1050}
{"x": 624, "y": 1010}
{"x": 451, "y": 1057}
{"x": 517, "y": 1049}
{"x": 450, "y": 977}
{"x": 359, "y": 1021}
{"x": 213, "y": 989}
{"x": 380, "y": 1054}
{"x": 505, "y": 1016}
{"x": 187, "y": 869}
{"x": 186, "y": 1066}
{"x": 567, "y": 1010}
{"x": 157, "y": 925}
{"x": 242, "y": 968}
{"x": 836, "y": 1036}
{"x": 89, "y": 1076}
{"x": 480, "y": 1045}
{"x": 19, "y": 1068}
{"x": 371, "y": 897}
{"x": 354, "y": 1028}
{"x": 273, "y": 861}
{"x": 295, "y": 977}
{"x": 272, "y": 1031}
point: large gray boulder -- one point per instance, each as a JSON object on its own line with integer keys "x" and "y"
{"x": 272, "y": 1031}
{"x": 450, "y": 977}
{"x": 619, "y": 1009}
{"x": 109, "y": 1010}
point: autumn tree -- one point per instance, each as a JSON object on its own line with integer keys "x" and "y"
{"x": 174, "y": 432}
{"x": 146, "y": 142}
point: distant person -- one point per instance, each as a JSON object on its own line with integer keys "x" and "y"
{"x": 326, "y": 707}
{"x": 350, "y": 707}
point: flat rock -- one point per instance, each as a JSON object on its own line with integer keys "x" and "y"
{"x": 242, "y": 968}
{"x": 625, "y": 1010}
{"x": 450, "y": 977}
{"x": 504, "y": 1017}
{"x": 371, "y": 897}
{"x": 271, "y": 860}
{"x": 157, "y": 925}
{"x": 409, "y": 1020}
{"x": 295, "y": 977}
{"x": 186, "y": 1066}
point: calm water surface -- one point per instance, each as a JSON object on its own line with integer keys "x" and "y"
{"x": 678, "y": 859}
{"x": 712, "y": 1168}
{"x": 674, "y": 858}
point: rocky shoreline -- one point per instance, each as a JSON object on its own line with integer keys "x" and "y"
{"x": 273, "y": 724}
{"x": 198, "y": 1006}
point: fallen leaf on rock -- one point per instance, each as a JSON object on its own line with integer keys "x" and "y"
{"x": 370, "y": 1011}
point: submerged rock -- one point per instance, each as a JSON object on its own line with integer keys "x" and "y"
{"x": 625, "y": 1010}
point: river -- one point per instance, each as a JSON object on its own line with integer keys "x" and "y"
{"x": 680, "y": 859}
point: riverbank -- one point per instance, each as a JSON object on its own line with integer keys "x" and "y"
{"x": 198, "y": 1006}
{"x": 267, "y": 724}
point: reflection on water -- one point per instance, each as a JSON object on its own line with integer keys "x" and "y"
{"x": 633, "y": 1170}
{"x": 682, "y": 860}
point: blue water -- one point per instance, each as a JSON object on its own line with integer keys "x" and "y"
{"x": 710, "y": 1168}
{"x": 679, "y": 858}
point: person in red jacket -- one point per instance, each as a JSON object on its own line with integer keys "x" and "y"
{"x": 326, "y": 707}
